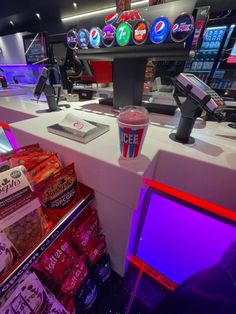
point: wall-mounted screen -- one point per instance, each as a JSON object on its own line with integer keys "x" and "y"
{"x": 35, "y": 48}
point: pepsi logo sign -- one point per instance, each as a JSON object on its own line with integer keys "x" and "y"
{"x": 159, "y": 26}
{"x": 108, "y": 35}
{"x": 126, "y": 16}
{"x": 175, "y": 28}
{"x": 182, "y": 27}
{"x": 95, "y": 37}
{"x": 160, "y": 30}
{"x": 111, "y": 18}
{"x": 71, "y": 39}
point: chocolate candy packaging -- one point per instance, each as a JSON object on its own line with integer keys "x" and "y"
{"x": 8, "y": 254}
{"x": 29, "y": 296}
{"x": 21, "y": 217}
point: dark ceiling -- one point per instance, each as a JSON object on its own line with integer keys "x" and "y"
{"x": 22, "y": 13}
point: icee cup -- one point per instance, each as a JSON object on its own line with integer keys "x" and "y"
{"x": 133, "y": 124}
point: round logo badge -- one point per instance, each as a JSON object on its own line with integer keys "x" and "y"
{"x": 83, "y": 38}
{"x": 108, "y": 35}
{"x": 159, "y": 30}
{"x": 123, "y": 34}
{"x": 140, "y": 32}
{"x": 182, "y": 27}
{"x": 71, "y": 39}
{"x": 95, "y": 37}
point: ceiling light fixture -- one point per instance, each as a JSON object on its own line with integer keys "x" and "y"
{"x": 79, "y": 16}
{"x": 12, "y": 23}
{"x": 38, "y": 16}
{"x": 75, "y": 5}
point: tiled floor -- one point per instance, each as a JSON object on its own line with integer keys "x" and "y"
{"x": 135, "y": 294}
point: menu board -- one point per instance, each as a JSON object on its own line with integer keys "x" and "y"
{"x": 35, "y": 48}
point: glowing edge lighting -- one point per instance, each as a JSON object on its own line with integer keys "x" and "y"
{"x": 208, "y": 206}
{"x": 74, "y": 17}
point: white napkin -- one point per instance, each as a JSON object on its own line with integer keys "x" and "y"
{"x": 72, "y": 121}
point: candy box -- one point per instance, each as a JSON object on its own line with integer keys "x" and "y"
{"x": 21, "y": 219}
{"x": 29, "y": 296}
{"x": 8, "y": 254}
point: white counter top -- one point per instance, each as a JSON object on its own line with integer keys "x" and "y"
{"x": 215, "y": 143}
{"x": 206, "y": 169}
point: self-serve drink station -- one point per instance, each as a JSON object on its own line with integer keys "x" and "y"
{"x": 128, "y": 38}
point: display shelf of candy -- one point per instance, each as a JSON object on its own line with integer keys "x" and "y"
{"x": 69, "y": 273}
{"x": 26, "y": 261}
{"x": 75, "y": 267}
{"x": 68, "y": 252}
{"x": 27, "y": 226}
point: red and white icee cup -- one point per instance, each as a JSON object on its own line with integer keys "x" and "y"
{"x": 133, "y": 123}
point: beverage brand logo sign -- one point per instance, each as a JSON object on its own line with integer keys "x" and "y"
{"x": 123, "y": 34}
{"x": 108, "y": 35}
{"x": 140, "y": 32}
{"x": 159, "y": 30}
{"x": 182, "y": 27}
{"x": 71, "y": 39}
{"x": 95, "y": 37}
{"x": 127, "y": 16}
{"x": 83, "y": 38}
{"x": 111, "y": 18}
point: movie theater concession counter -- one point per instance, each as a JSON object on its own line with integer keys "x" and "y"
{"x": 206, "y": 169}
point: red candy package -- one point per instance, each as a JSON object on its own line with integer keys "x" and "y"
{"x": 58, "y": 259}
{"x": 59, "y": 193}
{"x": 75, "y": 277}
{"x": 44, "y": 170}
{"x": 96, "y": 249}
{"x": 25, "y": 150}
{"x": 30, "y": 160}
{"x": 85, "y": 231}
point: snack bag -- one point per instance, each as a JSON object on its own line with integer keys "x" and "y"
{"x": 44, "y": 170}
{"x": 30, "y": 160}
{"x": 29, "y": 296}
{"x": 59, "y": 193}
{"x": 75, "y": 277}
{"x": 58, "y": 259}
{"x": 85, "y": 231}
{"x": 96, "y": 250}
{"x": 21, "y": 218}
{"x": 25, "y": 150}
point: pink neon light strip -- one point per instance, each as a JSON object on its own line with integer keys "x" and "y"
{"x": 211, "y": 207}
{"x": 9, "y": 135}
